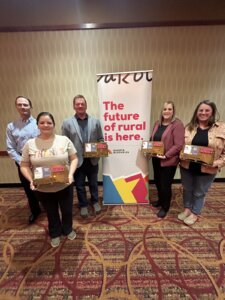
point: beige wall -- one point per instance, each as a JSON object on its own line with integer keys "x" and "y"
{"x": 51, "y": 67}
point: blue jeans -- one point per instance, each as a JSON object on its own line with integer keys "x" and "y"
{"x": 91, "y": 172}
{"x": 195, "y": 188}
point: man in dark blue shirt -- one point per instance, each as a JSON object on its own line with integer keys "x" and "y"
{"x": 81, "y": 129}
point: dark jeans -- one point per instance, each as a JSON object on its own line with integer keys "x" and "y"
{"x": 195, "y": 187}
{"x": 163, "y": 177}
{"x": 52, "y": 202}
{"x": 32, "y": 200}
{"x": 91, "y": 172}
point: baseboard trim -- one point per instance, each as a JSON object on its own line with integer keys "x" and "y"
{"x": 179, "y": 181}
{"x": 100, "y": 183}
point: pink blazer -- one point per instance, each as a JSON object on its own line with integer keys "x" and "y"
{"x": 173, "y": 140}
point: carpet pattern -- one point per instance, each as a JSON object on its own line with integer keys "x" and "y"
{"x": 126, "y": 252}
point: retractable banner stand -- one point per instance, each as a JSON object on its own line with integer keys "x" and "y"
{"x": 125, "y": 109}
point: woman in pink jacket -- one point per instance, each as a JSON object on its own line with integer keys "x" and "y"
{"x": 170, "y": 131}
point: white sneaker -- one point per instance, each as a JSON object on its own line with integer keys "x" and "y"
{"x": 84, "y": 212}
{"x": 191, "y": 220}
{"x": 72, "y": 235}
{"x": 183, "y": 215}
{"x": 97, "y": 208}
{"x": 55, "y": 242}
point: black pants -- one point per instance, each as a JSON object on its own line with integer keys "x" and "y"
{"x": 52, "y": 202}
{"x": 163, "y": 177}
{"x": 32, "y": 200}
{"x": 91, "y": 172}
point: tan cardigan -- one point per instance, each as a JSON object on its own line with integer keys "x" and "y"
{"x": 216, "y": 135}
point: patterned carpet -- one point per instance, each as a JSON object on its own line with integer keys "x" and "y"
{"x": 123, "y": 253}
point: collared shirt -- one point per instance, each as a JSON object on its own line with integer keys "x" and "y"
{"x": 83, "y": 125}
{"x": 17, "y": 134}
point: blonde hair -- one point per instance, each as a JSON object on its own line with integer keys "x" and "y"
{"x": 174, "y": 111}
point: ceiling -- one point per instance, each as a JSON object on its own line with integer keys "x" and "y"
{"x": 28, "y": 15}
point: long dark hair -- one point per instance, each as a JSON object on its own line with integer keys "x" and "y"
{"x": 45, "y": 113}
{"x": 214, "y": 117}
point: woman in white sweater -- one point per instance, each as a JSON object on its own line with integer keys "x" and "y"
{"x": 42, "y": 154}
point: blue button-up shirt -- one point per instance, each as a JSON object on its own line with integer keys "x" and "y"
{"x": 17, "y": 134}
